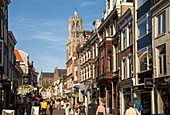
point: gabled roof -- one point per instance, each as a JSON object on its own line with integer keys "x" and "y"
{"x": 62, "y": 72}
{"x": 18, "y": 56}
{"x": 47, "y": 74}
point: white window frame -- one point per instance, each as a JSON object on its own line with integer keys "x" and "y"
{"x": 93, "y": 70}
{"x": 161, "y": 23}
{"x": 123, "y": 62}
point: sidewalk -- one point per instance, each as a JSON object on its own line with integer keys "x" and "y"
{"x": 109, "y": 114}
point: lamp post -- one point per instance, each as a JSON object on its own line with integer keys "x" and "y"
{"x": 1, "y": 86}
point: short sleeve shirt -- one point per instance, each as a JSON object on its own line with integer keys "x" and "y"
{"x": 44, "y": 105}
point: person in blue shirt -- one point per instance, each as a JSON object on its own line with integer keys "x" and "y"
{"x": 136, "y": 104}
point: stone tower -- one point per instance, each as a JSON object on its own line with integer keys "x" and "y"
{"x": 75, "y": 34}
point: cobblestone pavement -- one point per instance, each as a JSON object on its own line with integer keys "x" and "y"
{"x": 55, "y": 112}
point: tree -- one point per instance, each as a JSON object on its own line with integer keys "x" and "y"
{"x": 46, "y": 85}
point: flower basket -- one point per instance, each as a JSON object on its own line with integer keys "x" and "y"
{"x": 23, "y": 90}
{"x": 64, "y": 96}
{"x": 74, "y": 94}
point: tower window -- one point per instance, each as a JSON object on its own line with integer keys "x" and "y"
{"x": 73, "y": 35}
{"x": 73, "y": 27}
{"x": 77, "y": 26}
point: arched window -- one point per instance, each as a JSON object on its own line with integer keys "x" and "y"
{"x": 73, "y": 27}
{"x": 77, "y": 26}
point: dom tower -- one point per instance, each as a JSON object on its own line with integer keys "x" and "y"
{"x": 75, "y": 34}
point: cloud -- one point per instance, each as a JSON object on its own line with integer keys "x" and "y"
{"x": 87, "y": 3}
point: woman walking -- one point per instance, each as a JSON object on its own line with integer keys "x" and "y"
{"x": 82, "y": 109}
{"x": 100, "y": 109}
{"x": 51, "y": 107}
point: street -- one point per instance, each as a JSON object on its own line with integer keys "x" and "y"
{"x": 55, "y": 112}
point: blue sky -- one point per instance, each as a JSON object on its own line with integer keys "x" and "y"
{"x": 41, "y": 27}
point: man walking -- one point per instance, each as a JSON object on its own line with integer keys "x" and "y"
{"x": 44, "y": 107}
{"x": 130, "y": 110}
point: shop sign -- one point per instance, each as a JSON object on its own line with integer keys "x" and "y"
{"x": 163, "y": 81}
{"x": 6, "y": 84}
{"x": 148, "y": 83}
{"x": 141, "y": 89}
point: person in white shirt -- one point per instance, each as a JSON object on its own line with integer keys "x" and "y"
{"x": 62, "y": 104}
{"x": 130, "y": 111}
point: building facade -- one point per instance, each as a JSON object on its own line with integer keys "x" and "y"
{"x": 46, "y": 78}
{"x": 161, "y": 44}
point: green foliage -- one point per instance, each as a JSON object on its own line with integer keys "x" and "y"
{"x": 46, "y": 85}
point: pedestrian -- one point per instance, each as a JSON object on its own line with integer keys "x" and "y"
{"x": 82, "y": 109}
{"x": 65, "y": 106}
{"x": 58, "y": 105}
{"x": 51, "y": 107}
{"x": 130, "y": 110}
{"x": 137, "y": 105}
{"x": 69, "y": 109}
{"x": 100, "y": 109}
{"x": 62, "y": 104}
{"x": 77, "y": 107}
{"x": 44, "y": 107}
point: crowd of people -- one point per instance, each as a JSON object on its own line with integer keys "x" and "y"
{"x": 81, "y": 109}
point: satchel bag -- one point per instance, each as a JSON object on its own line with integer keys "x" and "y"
{"x": 137, "y": 112}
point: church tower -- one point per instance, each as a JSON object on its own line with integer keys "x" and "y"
{"x": 75, "y": 34}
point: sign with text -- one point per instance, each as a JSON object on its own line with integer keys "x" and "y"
{"x": 148, "y": 83}
{"x": 35, "y": 110}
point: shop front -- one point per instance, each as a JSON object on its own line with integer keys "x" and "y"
{"x": 144, "y": 96}
{"x": 126, "y": 94}
{"x": 162, "y": 95}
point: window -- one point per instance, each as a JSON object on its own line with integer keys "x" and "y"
{"x": 77, "y": 27}
{"x": 161, "y": 24}
{"x": 145, "y": 59}
{"x": 117, "y": 57}
{"x": 124, "y": 40}
{"x": 140, "y": 2}
{"x": 73, "y": 35}
{"x": 162, "y": 60}
{"x": 108, "y": 31}
{"x": 124, "y": 73}
{"x": 130, "y": 35}
{"x": 102, "y": 61}
{"x": 93, "y": 51}
{"x": 93, "y": 70}
{"x": 109, "y": 50}
{"x": 130, "y": 67}
{"x": 1, "y": 52}
{"x": 73, "y": 27}
{"x": 109, "y": 63}
{"x": 77, "y": 34}
{"x": 144, "y": 25}
{"x": 97, "y": 69}
{"x": 97, "y": 49}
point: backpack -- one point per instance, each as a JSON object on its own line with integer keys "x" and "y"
{"x": 141, "y": 107}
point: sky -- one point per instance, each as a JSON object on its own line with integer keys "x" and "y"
{"x": 41, "y": 27}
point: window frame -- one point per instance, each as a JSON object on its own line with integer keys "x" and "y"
{"x": 2, "y": 49}
{"x": 161, "y": 24}
{"x": 164, "y": 72}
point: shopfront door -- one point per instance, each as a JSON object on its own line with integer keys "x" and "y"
{"x": 146, "y": 103}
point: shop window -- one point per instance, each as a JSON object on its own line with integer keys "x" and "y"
{"x": 145, "y": 59}
{"x": 162, "y": 60}
{"x": 161, "y": 24}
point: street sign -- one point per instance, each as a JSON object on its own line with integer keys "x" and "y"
{"x": 148, "y": 83}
